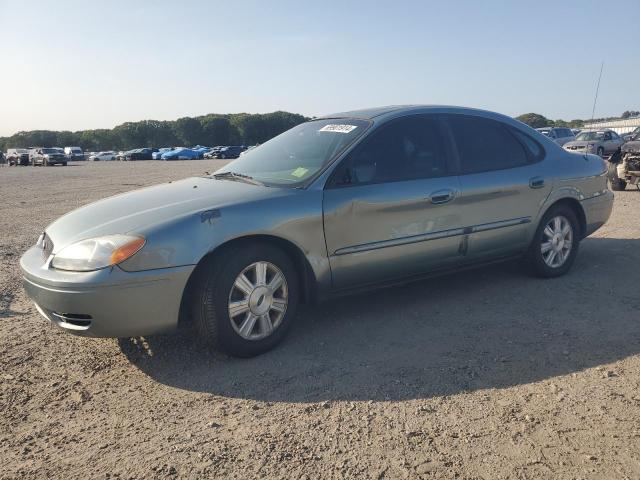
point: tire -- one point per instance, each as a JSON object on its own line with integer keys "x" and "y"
{"x": 215, "y": 288}
{"x": 600, "y": 152}
{"x": 617, "y": 184}
{"x": 64, "y": 164}
{"x": 223, "y": 156}
{"x": 536, "y": 259}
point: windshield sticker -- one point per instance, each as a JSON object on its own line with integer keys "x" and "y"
{"x": 338, "y": 128}
{"x": 299, "y": 172}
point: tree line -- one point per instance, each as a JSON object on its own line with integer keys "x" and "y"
{"x": 210, "y": 130}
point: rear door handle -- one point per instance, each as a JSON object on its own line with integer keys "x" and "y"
{"x": 536, "y": 182}
{"x": 442, "y": 196}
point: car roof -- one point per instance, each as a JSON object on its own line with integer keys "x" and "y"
{"x": 392, "y": 111}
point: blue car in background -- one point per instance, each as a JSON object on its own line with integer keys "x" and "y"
{"x": 181, "y": 154}
{"x": 201, "y": 150}
{"x": 157, "y": 155}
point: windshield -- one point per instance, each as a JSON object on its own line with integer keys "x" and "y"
{"x": 590, "y": 136}
{"x": 49, "y": 150}
{"x": 297, "y": 154}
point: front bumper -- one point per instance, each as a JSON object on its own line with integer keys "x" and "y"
{"x": 108, "y": 302}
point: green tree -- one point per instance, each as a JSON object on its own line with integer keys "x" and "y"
{"x": 534, "y": 120}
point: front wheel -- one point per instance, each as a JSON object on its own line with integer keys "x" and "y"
{"x": 245, "y": 300}
{"x": 555, "y": 243}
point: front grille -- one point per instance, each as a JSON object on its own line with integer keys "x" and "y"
{"x": 47, "y": 246}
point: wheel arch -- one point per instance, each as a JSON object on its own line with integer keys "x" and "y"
{"x": 574, "y": 205}
{"x": 308, "y": 286}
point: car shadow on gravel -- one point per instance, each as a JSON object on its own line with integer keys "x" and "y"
{"x": 490, "y": 328}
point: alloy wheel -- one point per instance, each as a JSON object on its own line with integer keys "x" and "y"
{"x": 258, "y": 301}
{"x": 557, "y": 241}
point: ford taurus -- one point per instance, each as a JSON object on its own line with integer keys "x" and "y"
{"x": 336, "y": 204}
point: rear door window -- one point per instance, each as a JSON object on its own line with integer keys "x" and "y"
{"x": 485, "y": 145}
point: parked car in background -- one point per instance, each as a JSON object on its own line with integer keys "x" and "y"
{"x": 47, "y": 156}
{"x": 600, "y": 142}
{"x": 74, "y": 153}
{"x": 624, "y": 167}
{"x": 103, "y": 156}
{"x": 559, "y": 135}
{"x": 212, "y": 153}
{"x": 340, "y": 203}
{"x": 200, "y": 150}
{"x": 18, "y": 156}
{"x": 180, "y": 154}
{"x": 233, "y": 151}
{"x": 139, "y": 154}
{"x": 630, "y": 135}
{"x": 157, "y": 155}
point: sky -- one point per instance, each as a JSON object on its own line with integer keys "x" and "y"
{"x": 75, "y": 65}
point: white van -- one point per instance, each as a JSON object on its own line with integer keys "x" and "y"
{"x": 74, "y": 153}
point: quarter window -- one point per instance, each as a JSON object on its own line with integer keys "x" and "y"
{"x": 405, "y": 149}
{"x": 485, "y": 145}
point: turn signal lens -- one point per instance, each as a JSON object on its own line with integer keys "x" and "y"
{"x": 126, "y": 251}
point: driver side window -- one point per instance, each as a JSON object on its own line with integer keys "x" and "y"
{"x": 406, "y": 149}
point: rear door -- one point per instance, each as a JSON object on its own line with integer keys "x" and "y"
{"x": 503, "y": 184}
{"x": 390, "y": 208}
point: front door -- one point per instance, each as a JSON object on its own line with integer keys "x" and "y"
{"x": 391, "y": 207}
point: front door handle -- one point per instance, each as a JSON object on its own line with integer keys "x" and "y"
{"x": 536, "y": 182}
{"x": 442, "y": 196}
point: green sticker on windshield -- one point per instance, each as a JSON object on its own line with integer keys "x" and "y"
{"x": 299, "y": 172}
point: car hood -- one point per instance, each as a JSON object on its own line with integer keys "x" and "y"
{"x": 133, "y": 211}
{"x": 633, "y": 146}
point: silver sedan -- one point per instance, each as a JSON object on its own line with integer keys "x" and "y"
{"x": 334, "y": 205}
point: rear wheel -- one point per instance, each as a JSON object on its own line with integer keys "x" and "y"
{"x": 555, "y": 243}
{"x": 245, "y": 300}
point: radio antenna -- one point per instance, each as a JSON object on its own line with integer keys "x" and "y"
{"x": 593, "y": 111}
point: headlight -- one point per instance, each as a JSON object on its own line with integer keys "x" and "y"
{"x": 97, "y": 253}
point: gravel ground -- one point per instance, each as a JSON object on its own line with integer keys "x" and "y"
{"x": 487, "y": 374}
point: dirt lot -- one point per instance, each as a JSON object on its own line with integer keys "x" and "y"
{"x": 489, "y": 374}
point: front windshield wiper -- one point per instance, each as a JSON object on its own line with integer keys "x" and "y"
{"x": 237, "y": 176}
